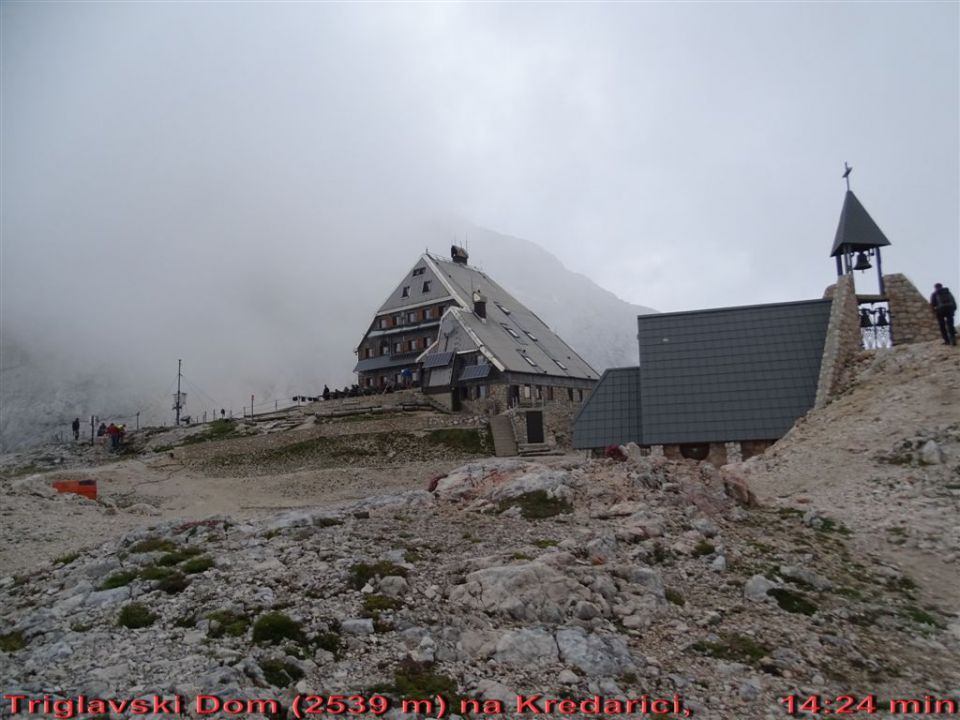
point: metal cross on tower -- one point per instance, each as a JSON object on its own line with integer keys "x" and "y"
{"x": 846, "y": 174}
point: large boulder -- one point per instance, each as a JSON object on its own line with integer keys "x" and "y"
{"x": 593, "y": 654}
{"x": 527, "y": 647}
{"x": 532, "y": 592}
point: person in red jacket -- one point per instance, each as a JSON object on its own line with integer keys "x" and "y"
{"x": 114, "y": 432}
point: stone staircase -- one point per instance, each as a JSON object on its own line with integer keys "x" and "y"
{"x": 504, "y": 443}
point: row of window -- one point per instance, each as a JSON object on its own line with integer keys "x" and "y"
{"x": 425, "y": 288}
{"x": 541, "y": 392}
{"x": 398, "y": 347}
{"x": 411, "y": 317}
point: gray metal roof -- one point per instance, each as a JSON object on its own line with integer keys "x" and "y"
{"x": 385, "y": 361}
{"x": 742, "y": 373}
{"x": 508, "y": 327}
{"x": 611, "y": 415}
{"x": 856, "y": 230}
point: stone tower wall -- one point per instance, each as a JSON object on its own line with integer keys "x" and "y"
{"x": 843, "y": 340}
{"x": 911, "y": 320}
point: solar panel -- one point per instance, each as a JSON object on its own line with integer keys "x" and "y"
{"x": 437, "y": 360}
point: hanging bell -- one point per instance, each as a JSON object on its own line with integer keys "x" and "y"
{"x": 862, "y": 262}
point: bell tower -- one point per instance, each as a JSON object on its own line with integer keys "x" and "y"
{"x": 857, "y": 235}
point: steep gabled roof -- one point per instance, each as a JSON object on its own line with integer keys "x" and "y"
{"x": 416, "y": 296}
{"x": 512, "y": 336}
{"x": 857, "y": 231}
{"x": 740, "y": 373}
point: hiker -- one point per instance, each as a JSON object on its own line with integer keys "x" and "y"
{"x": 76, "y": 428}
{"x": 326, "y": 393}
{"x": 944, "y": 306}
{"x": 114, "y": 432}
{"x": 102, "y": 430}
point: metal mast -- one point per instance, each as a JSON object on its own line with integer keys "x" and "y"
{"x": 177, "y": 404}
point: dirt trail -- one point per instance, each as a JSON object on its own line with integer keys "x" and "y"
{"x": 36, "y": 528}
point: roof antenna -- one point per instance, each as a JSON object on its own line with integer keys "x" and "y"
{"x": 846, "y": 174}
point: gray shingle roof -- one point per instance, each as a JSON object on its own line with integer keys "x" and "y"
{"x": 722, "y": 375}
{"x": 415, "y": 294}
{"x": 611, "y": 415}
{"x": 509, "y": 326}
{"x": 856, "y": 229}
{"x": 743, "y": 373}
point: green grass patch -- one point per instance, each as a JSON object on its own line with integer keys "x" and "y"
{"x": 227, "y": 622}
{"x": 11, "y": 642}
{"x": 175, "y": 582}
{"x": 153, "y": 545}
{"x": 544, "y": 544}
{"x": 921, "y": 616}
{"x": 703, "y": 548}
{"x": 119, "y": 579}
{"x": 197, "y": 565}
{"x": 186, "y": 621}
{"x": 331, "y": 642}
{"x": 66, "y": 559}
{"x": 275, "y": 627}
{"x": 280, "y": 673}
{"x": 362, "y": 573}
{"x": 675, "y": 596}
{"x": 178, "y": 556}
{"x": 473, "y": 441}
{"x": 217, "y": 430}
{"x": 418, "y": 681}
{"x": 849, "y": 592}
{"x": 536, "y": 505}
{"x": 374, "y": 604}
{"x": 154, "y": 572}
{"x": 327, "y": 522}
{"x": 136, "y": 615}
{"x": 792, "y": 602}
{"x": 733, "y": 647}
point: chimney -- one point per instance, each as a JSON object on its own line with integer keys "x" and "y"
{"x": 459, "y": 255}
{"x": 479, "y": 305}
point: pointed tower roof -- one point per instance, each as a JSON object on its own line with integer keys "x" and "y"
{"x": 857, "y": 231}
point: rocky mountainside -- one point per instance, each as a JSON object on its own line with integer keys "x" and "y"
{"x": 576, "y": 580}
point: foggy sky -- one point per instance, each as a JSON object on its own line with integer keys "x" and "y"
{"x": 226, "y": 180}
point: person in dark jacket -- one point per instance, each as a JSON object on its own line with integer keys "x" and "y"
{"x": 76, "y": 428}
{"x": 944, "y": 306}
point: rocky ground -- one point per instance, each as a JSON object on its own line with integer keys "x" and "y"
{"x": 412, "y": 576}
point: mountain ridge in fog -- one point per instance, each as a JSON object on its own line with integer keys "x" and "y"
{"x": 45, "y": 385}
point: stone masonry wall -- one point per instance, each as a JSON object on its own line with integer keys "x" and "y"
{"x": 843, "y": 340}
{"x": 910, "y": 317}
